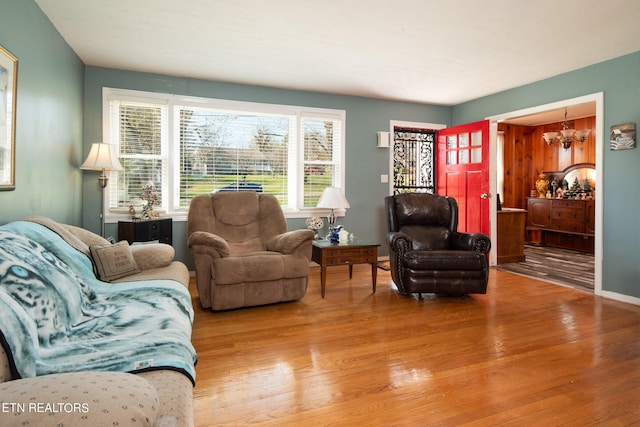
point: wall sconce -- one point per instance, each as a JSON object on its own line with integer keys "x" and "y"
{"x": 102, "y": 157}
{"x": 384, "y": 139}
{"x": 567, "y": 135}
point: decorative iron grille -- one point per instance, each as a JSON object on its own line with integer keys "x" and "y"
{"x": 413, "y": 160}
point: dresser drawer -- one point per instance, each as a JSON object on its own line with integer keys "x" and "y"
{"x": 567, "y": 225}
{"x": 568, "y": 213}
{"x": 351, "y": 256}
{"x": 571, "y": 204}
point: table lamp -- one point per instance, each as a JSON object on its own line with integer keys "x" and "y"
{"x": 332, "y": 198}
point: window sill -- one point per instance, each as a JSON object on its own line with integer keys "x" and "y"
{"x": 181, "y": 216}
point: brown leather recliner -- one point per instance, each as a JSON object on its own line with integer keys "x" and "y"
{"x": 427, "y": 253}
{"x": 244, "y": 255}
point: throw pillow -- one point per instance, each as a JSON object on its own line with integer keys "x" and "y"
{"x": 114, "y": 261}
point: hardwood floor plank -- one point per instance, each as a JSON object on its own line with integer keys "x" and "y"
{"x": 527, "y": 352}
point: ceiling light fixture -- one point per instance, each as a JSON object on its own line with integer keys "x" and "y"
{"x": 567, "y": 135}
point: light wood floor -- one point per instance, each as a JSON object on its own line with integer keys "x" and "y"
{"x": 526, "y": 353}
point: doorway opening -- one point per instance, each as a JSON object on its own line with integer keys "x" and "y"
{"x": 548, "y": 113}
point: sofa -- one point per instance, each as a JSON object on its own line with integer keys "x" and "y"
{"x": 92, "y": 333}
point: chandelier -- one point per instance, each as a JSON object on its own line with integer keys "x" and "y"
{"x": 567, "y": 135}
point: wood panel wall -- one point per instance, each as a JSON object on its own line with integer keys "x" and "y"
{"x": 526, "y": 155}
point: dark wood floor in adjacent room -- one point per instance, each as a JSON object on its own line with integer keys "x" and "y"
{"x": 526, "y": 353}
{"x": 555, "y": 265}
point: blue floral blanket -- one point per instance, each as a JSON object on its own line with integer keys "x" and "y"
{"x": 55, "y": 316}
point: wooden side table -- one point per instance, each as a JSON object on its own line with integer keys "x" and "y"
{"x": 327, "y": 254}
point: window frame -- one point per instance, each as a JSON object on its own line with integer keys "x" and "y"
{"x": 171, "y": 185}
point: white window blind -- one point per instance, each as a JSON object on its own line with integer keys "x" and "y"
{"x": 233, "y": 150}
{"x": 322, "y": 156}
{"x": 140, "y": 132}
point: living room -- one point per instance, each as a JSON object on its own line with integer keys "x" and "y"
{"x": 59, "y": 114}
{"x": 57, "y": 122}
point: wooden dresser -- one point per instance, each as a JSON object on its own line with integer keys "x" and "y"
{"x": 562, "y": 223}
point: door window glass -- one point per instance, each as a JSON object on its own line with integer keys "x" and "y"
{"x": 452, "y": 158}
{"x": 463, "y": 157}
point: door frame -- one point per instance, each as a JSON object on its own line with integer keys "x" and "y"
{"x": 598, "y": 98}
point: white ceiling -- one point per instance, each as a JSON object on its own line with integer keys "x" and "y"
{"x": 429, "y": 51}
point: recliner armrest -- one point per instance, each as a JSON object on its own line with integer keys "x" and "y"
{"x": 292, "y": 242}
{"x": 477, "y": 242}
{"x": 399, "y": 242}
{"x": 208, "y": 243}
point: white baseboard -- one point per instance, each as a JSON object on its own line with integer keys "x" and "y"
{"x": 620, "y": 297}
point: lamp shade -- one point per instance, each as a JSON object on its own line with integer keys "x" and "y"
{"x": 333, "y": 198}
{"x": 549, "y": 137}
{"x": 101, "y": 157}
{"x": 582, "y": 134}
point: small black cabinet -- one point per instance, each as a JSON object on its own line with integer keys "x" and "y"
{"x": 147, "y": 230}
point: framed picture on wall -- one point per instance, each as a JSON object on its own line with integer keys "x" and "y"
{"x": 623, "y": 136}
{"x": 8, "y": 88}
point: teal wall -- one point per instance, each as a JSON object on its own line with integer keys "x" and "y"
{"x": 619, "y": 80}
{"x": 364, "y": 161}
{"x": 48, "y": 117}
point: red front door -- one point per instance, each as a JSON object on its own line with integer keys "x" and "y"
{"x": 462, "y": 172}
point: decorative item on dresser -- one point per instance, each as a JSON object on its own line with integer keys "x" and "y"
{"x": 150, "y": 198}
{"x": 542, "y": 185}
{"x": 315, "y": 223}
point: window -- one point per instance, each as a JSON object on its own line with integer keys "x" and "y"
{"x": 140, "y": 133}
{"x": 185, "y": 146}
{"x": 413, "y": 160}
{"x": 461, "y": 152}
